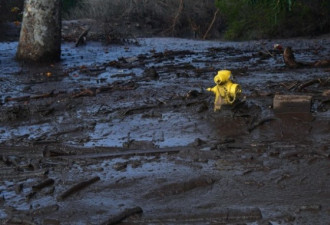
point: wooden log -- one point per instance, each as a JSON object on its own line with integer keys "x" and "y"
{"x": 123, "y": 215}
{"x": 77, "y": 188}
{"x": 292, "y": 103}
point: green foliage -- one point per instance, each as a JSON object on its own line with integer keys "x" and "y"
{"x": 253, "y": 19}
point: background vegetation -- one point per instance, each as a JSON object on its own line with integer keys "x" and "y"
{"x": 166, "y": 17}
{"x": 253, "y": 19}
{"x": 235, "y": 20}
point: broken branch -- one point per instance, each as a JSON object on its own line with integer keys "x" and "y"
{"x": 77, "y": 188}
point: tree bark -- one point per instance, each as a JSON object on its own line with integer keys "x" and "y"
{"x": 40, "y": 37}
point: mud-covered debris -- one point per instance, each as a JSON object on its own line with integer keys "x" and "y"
{"x": 123, "y": 215}
{"x": 45, "y": 210}
{"x": 120, "y": 166}
{"x": 19, "y": 188}
{"x": 43, "y": 184}
{"x": 260, "y": 122}
{"x": 290, "y": 61}
{"x": 151, "y": 73}
{"x": 326, "y": 93}
{"x": 77, "y": 187}
{"x": 193, "y": 94}
{"x": 31, "y": 195}
{"x": 314, "y": 208}
{"x": 53, "y": 153}
{"x": 136, "y": 163}
{"x": 139, "y": 145}
{"x": 152, "y": 114}
{"x": 292, "y": 103}
{"x": 51, "y": 221}
{"x": 179, "y": 188}
{"x": 17, "y": 220}
{"x": 246, "y": 214}
{"x": 82, "y": 38}
{"x": 198, "y": 142}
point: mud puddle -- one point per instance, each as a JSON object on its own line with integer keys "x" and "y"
{"x": 111, "y": 130}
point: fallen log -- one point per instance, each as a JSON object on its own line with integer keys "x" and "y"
{"x": 123, "y": 215}
{"x": 77, "y": 188}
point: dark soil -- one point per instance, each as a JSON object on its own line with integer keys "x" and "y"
{"x": 127, "y": 133}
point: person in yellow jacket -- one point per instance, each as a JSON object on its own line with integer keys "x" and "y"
{"x": 226, "y": 92}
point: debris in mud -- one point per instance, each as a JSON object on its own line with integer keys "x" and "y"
{"x": 292, "y": 104}
{"x": 143, "y": 125}
{"x": 120, "y": 166}
{"x": 77, "y": 187}
{"x": 179, "y": 188}
{"x": 123, "y": 215}
{"x": 313, "y": 208}
{"x": 43, "y": 184}
{"x": 82, "y": 38}
{"x": 260, "y": 122}
{"x": 290, "y": 61}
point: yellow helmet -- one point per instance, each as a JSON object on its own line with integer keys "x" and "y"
{"x": 222, "y": 77}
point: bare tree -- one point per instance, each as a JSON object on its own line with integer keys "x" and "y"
{"x": 40, "y": 37}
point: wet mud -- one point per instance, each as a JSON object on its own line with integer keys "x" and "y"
{"x": 127, "y": 134}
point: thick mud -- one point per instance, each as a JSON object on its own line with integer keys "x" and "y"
{"x": 112, "y": 128}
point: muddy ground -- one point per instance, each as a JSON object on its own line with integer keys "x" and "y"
{"x": 127, "y": 133}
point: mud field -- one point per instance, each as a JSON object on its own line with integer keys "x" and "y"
{"x": 127, "y": 134}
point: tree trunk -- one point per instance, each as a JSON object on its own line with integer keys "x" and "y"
{"x": 40, "y": 37}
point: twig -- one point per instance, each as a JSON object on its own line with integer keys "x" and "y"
{"x": 211, "y": 24}
{"x": 77, "y": 188}
{"x": 123, "y": 215}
